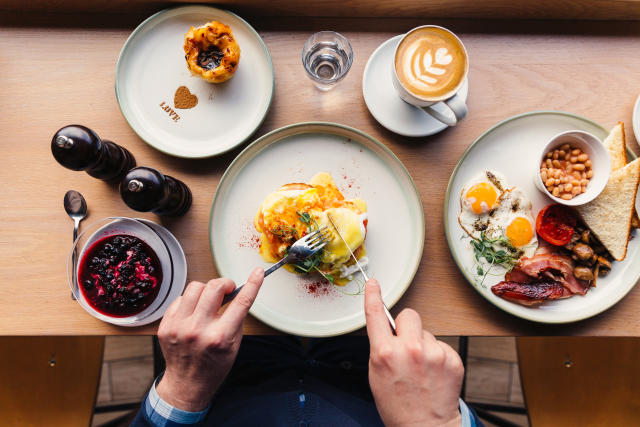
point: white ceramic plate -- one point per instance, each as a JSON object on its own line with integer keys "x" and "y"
{"x": 383, "y": 101}
{"x": 509, "y": 147}
{"x": 362, "y": 167}
{"x": 152, "y": 67}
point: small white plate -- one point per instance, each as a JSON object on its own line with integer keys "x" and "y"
{"x": 151, "y": 68}
{"x": 362, "y": 167}
{"x": 509, "y": 147}
{"x": 179, "y": 270}
{"x": 383, "y": 101}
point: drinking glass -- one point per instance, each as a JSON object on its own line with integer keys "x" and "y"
{"x": 327, "y": 57}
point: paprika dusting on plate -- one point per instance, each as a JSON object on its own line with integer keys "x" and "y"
{"x": 318, "y": 288}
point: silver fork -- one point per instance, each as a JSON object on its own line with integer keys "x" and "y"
{"x": 302, "y": 249}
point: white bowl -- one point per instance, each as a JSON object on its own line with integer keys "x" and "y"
{"x": 114, "y": 226}
{"x": 600, "y": 164}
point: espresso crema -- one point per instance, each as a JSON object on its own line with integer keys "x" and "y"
{"x": 430, "y": 62}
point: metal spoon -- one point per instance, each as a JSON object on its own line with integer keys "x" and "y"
{"x": 76, "y": 208}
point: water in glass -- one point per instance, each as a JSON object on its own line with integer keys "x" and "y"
{"x": 327, "y": 57}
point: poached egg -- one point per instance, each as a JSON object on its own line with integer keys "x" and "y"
{"x": 282, "y": 219}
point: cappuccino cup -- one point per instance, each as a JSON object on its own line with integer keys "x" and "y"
{"x": 429, "y": 67}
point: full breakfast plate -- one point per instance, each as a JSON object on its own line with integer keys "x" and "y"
{"x": 510, "y": 150}
{"x": 334, "y": 158}
{"x": 179, "y": 113}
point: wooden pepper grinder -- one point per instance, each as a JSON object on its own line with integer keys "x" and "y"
{"x": 78, "y": 148}
{"x": 145, "y": 189}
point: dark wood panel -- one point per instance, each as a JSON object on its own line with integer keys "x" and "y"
{"x": 503, "y": 9}
{"x": 50, "y": 381}
{"x": 571, "y": 381}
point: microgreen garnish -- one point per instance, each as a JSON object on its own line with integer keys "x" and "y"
{"x": 285, "y": 232}
{"x": 311, "y": 263}
{"x": 360, "y": 283}
{"x": 498, "y": 251}
{"x": 304, "y": 217}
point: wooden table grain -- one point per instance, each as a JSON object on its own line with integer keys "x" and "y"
{"x": 59, "y": 69}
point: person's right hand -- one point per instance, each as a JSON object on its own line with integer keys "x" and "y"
{"x": 415, "y": 379}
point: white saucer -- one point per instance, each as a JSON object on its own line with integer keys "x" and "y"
{"x": 384, "y": 103}
{"x": 179, "y": 271}
{"x": 151, "y": 68}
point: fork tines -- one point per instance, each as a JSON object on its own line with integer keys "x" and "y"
{"x": 315, "y": 234}
{"x": 319, "y": 238}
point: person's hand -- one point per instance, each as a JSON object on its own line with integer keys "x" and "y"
{"x": 200, "y": 345}
{"x": 415, "y": 379}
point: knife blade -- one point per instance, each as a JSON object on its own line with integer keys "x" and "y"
{"x": 386, "y": 310}
{"x": 345, "y": 243}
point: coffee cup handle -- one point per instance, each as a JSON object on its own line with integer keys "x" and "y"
{"x": 455, "y": 110}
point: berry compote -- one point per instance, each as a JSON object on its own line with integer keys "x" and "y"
{"x": 120, "y": 275}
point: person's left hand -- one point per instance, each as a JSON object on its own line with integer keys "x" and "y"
{"x": 200, "y": 345}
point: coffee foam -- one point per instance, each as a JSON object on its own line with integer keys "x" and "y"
{"x": 430, "y": 62}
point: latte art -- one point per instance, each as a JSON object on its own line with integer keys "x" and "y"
{"x": 430, "y": 62}
{"x": 422, "y": 68}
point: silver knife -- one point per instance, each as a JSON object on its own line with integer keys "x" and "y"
{"x": 386, "y": 310}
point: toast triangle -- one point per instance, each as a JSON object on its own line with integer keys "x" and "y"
{"x": 609, "y": 215}
{"x": 617, "y": 147}
{"x": 616, "y": 144}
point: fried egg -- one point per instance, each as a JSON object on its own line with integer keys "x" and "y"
{"x": 297, "y": 209}
{"x": 478, "y": 200}
{"x": 481, "y": 195}
{"x": 513, "y": 218}
{"x": 509, "y": 215}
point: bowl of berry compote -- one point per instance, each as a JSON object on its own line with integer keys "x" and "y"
{"x": 120, "y": 270}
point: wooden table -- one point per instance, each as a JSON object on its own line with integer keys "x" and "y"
{"x": 58, "y": 69}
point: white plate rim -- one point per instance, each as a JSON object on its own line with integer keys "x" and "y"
{"x": 449, "y": 238}
{"x": 157, "y": 16}
{"x": 272, "y": 138}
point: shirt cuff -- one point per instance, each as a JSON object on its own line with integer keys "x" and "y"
{"x": 161, "y": 414}
{"x": 467, "y": 419}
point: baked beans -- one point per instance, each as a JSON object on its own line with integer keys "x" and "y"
{"x": 566, "y": 172}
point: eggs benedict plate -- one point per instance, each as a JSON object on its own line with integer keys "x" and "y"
{"x": 286, "y": 184}
{"x": 297, "y": 209}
